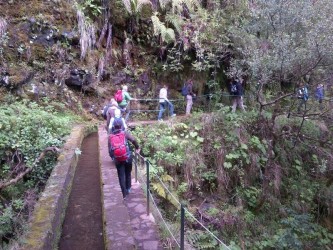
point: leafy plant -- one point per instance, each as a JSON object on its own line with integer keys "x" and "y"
{"x": 167, "y": 34}
{"x": 26, "y": 130}
{"x": 90, "y": 6}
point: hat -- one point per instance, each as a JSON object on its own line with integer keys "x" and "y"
{"x": 117, "y": 124}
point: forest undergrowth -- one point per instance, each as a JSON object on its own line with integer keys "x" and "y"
{"x": 31, "y": 136}
{"x": 255, "y": 183}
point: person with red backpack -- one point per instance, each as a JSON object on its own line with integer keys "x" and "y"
{"x": 121, "y": 153}
{"x": 123, "y": 98}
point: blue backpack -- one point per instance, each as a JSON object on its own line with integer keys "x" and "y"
{"x": 303, "y": 93}
{"x": 185, "y": 91}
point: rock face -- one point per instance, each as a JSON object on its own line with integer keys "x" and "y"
{"x": 40, "y": 48}
{"x": 79, "y": 79}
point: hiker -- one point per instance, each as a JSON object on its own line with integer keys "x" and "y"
{"x": 163, "y": 102}
{"x": 320, "y": 95}
{"x": 302, "y": 95}
{"x": 117, "y": 116}
{"x": 126, "y": 98}
{"x": 111, "y": 111}
{"x": 189, "y": 97}
{"x": 122, "y": 156}
{"x": 236, "y": 92}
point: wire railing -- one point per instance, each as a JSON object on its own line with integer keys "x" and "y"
{"x": 143, "y": 164}
{"x": 143, "y": 108}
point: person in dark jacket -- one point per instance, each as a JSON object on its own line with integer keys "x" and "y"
{"x": 189, "y": 97}
{"x": 236, "y": 92}
{"x": 124, "y": 168}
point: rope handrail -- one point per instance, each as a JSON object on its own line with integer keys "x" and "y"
{"x": 160, "y": 214}
{"x": 224, "y": 245}
{"x": 182, "y": 99}
{"x": 177, "y": 201}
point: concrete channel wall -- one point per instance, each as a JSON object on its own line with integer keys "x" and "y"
{"x": 45, "y": 227}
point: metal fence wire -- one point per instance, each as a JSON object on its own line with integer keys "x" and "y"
{"x": 142, "y": 168}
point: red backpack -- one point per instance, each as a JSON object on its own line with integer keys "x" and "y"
{"x": 119, "y": 96}
{"x": 118, "y": 146}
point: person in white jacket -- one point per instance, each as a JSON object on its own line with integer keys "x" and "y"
{"x": 117, "y": 116}
{"x": 164, "y": 102}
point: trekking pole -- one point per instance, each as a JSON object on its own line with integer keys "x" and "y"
{"x": 147, "y": 164}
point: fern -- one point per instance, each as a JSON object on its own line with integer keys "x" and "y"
{"x": 178, "y": 5}
{"x": 159, "y": 189}
{"x": 201, "y": 240}
{"x": 167, "y": 34}
{"x": 176, "y": 21}
{"x": 166, "y": 177}
{"x": 134, "y": 7}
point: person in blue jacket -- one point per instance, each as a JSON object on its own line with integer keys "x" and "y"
{"x": 320, "y": 92}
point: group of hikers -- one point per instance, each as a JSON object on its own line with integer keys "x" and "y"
{"x": 118, "y": 135}
{"x": 164, "y": 102}
{"x": 303, "y": 96}
{"x": 118, "y": 132}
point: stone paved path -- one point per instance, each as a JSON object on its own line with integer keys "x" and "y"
{"x": 127, "y": 225}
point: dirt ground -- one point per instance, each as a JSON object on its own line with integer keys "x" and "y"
{"x": 83, "y": 225}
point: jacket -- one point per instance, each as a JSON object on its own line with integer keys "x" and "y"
{"x": 320, "y": 92}
{"x": 190, "y": 89}
{"x": 126, "y": 99}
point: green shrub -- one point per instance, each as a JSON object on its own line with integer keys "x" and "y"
{"x": 26, "y": 130}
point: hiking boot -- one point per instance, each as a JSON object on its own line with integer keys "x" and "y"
{"x": 128, "y": 190}
{"x": 160, "y": 120}
{"x": 173, "y": 115}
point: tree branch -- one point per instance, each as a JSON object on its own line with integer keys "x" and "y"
{"x": 28, "y": 169}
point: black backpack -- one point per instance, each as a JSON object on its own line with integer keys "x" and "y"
{"x": 234, "y": 88}
{"x": 118, "y": 120}
{"x": 105, "y": 110}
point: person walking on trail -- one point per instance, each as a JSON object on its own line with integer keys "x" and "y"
{"x": 111, "y": 111}
{"x": 164, "y": 102}
{"x": 122, "y": 156}
{"x": 126, "y": 98}
{"x": 303, "y": 96}
{"x": 320, "y": 95}
{"x": 117, "y": 116}
{"x": 236, "y": 92}
{"x": 189, "y": 97}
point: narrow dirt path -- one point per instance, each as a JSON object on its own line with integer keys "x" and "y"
{"x": 83, "y": 224}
